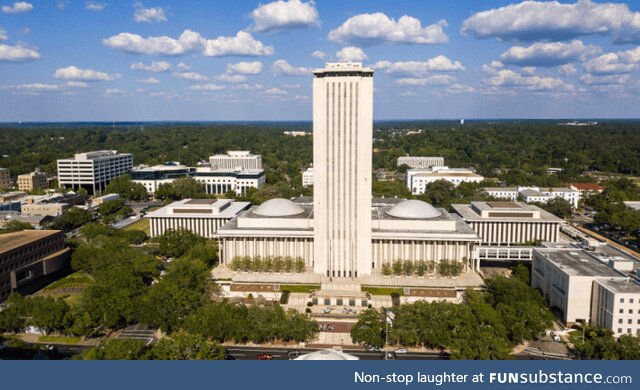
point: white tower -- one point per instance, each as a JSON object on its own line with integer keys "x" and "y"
{"x": 342, "y": 138}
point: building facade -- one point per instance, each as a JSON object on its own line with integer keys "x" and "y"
{"x": 342, "y": 160}
{"x": 307, "y": 177}
{"x": 33, "y": 181}
{"x": 616, "y": 306}
{"x": 5, "y": 178}
{"x": 417, "y": 179}
{"x": 152, "y": 177}
{"x": 508, "y": 223}
{"x": 420, "y": 161}
{"x": 93, "y": 170}
{"x": 236, "y": 160}
{"x": 28, "y": 255}
{"x": 200, "y": 216}
{"x": 221, "y": 181}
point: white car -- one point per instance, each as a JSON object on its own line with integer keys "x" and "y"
{"x": 556, "y": 338}
{"x": 401, "y": 351}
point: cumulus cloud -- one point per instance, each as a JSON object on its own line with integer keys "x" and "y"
{"x": 439, "y": 79}
{"x": 531, "y": 20}
{"x": 155, "y": 66}
{"x": 17, "y": 53}
{"x": 231, "y": 78}
{"x": 283, "y": 15}
{"x": 149, "y": 15}
{"x": 547, "y": 54}
{"x": 509, "y": 79}
{"x": 182, "y": 66}
{"x": 94, "y": 6}
{"x": 254, "y": 67}
{"x": 206, "y": 87}
{"x": 76, "y": 84}
{"x": 319, "y": 55}
{"x": 283, "y": 68}
{"x": 149, "y": 80}
{"x": 459, "y": 88}
{"x": 418, "y": 68}
{"x": 351, "y": 53}
{"x": 114, "y": 92}
{"x": 612, "y": 63}
{"x": 243, "y": 44}
{"x": 17, "y": 8}
{"x": 3, "y": 35}
{"x": 567, "y": 70}
{"x": 36, "y": 88}
{"x": 276, "y": 92}
{"x": 589, "y": 79}
{"x": 378, "y": 28}
{"x": 77, "y": 74}
{"x": 191, "y": 76}
{"x": 248, "y": 87}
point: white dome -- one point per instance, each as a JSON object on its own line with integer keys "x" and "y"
{"x": 327, "y": 354}
{"x": 278, "y": 207}
{"x": 413, "y": 209}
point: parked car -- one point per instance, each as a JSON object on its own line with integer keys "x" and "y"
{"x": 401, "y": 351}
{"x": 265, "y": 356}
{"x": 293, "y": 354}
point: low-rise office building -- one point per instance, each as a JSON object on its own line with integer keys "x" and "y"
{"x": 33, "y": 181}
{"x": 532, "y": 194}
{"x": 93, "y": 170}
{"x": 28, "y": 255}
{"x": 12, "y": 196}
{"x": 51, "y": 205}
{"x": 5, "y": 178}
{"x": 236, "y": 160}
{"x": 417, "y": 179}
{"x": 307, "y": 177}
{"x": 508, "y": 223}
{"x": 586, "y": 189}
{"x": 152, "y": 177}
{"x": 200, "y": 216}
{"x": 420, "y": 161}
{"x": 221, "y": 181}
{"x": 97, "y": 201}
{"x": 616, "y": 306}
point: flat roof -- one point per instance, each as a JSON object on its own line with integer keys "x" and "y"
{"x": 578, "y": 262}
{"x": 514, "y": 189}
{"x": 468, "y": 212}
{"x": 10, "y": 241}
{"x": 504, "y": 205}
{"x": 233, "y": 209}
{"x": 201, "y": 201}
{"x": 621, "y": 286}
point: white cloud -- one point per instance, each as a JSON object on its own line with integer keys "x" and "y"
{"x": 76, "y": 84}
{"x": 547, "y": 54}
{"x": 17, "y": 53}
{"x": 248, "y": 87}
{"x": 440, "y": 79}
{"x": 114, "y": 92}
{"x": 508, "y": 79}
{"x": 291, "y": 86}
{"x": 417, "y": 68}
{"x": 283, "y": 68}
{"x": 36, "y": 88}
{"x": 254, "y": 67}
{"x": 231, "y": 78}
{"x": 94, "y": 6}
{"x": 191, "y": 76}
{"x": 77, "y": 74}
{"x": 3, "y": 35}
{"x": 276, "y": 92}
{"x": 589, "y": 79}
{"x": 206, "y": 87}
{"x": 612, "y": 63}
{"x": 378, "y": 28}
{"x": 155, "y": 66}
{"x": 243, "y": 44}
{"x": 319, "y": 55}
{"x": 567, "y": 70}
{"x": 530, "y": 20}
{"x": 149, "y": 15}
{"x": 282, "y": 15}
{"x": 459, "y": 88}
{"x": 351, "y": 53}
{"x": 188, "y": 42}
{"x": 17, "y": 8}
{"x": 149, "y": 80}
{"x": 182, "y": 66}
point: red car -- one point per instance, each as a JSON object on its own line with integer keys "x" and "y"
{"x": 265, "y": 356}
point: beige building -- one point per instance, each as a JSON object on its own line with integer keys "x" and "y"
{"x": 33, "y": 181}
{"x": 420, "y": 161}
{"x": 418, "y": 178}
{"x": 342, "y": 160}
{"x": 28, "y": 255}
{"x": 616, "y": 306}
{"x": 507, "y": 223}
{"x": 236, "y": 160}
{"x": 5, "y": 178}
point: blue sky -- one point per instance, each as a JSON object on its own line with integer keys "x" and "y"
{"x": 242, "y": 60}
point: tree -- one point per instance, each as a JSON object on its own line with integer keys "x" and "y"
{"x": 559, "y": 207}
{"x": 182, "y": 188}
{"x": 126, "y": 188}
{"x": 116, "y": 349}
{"x": 185, "y": 346}
{"x": 111, "y": 209}
{"x": 48, "y": 314}
{"x": 16, "y": 226}
{"x": 73, "y": 218}
{"x": 175, "y": 243}
{"x": 12, "y": 318}
{"x": 369, "y": 329}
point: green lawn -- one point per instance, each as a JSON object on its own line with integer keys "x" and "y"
{"x": 142, "y": 224}
{"x": 383, "y": 290}
{"x": 300, "y": 288}
{"x": 75, "y": 280}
